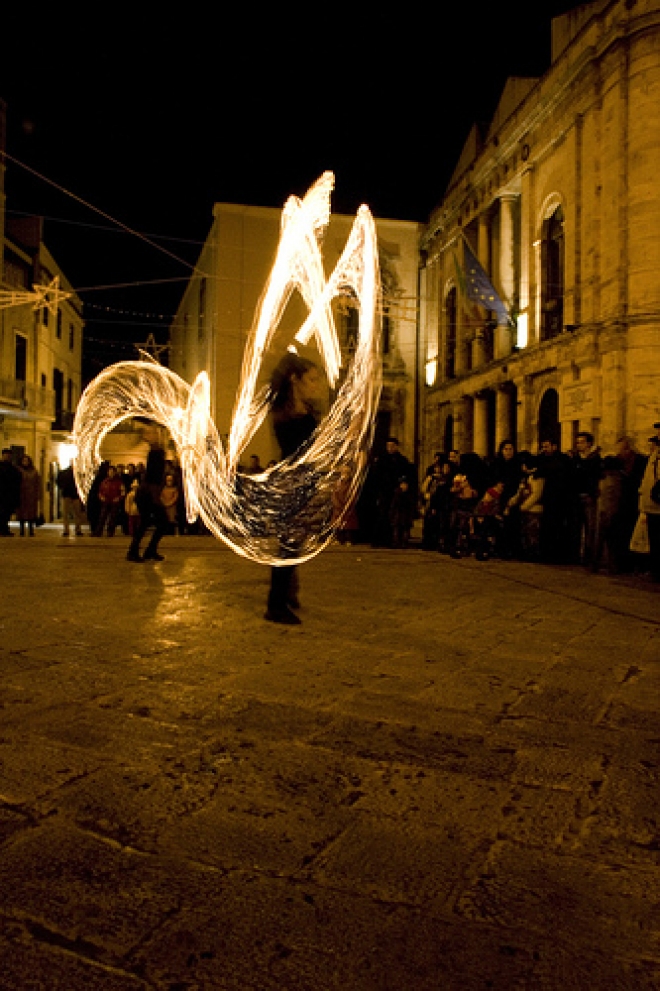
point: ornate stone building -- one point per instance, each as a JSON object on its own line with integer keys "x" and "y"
{"x": 217, "y": 310}
{"x": 560, "y": 201}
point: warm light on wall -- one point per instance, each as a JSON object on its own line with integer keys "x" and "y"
{"x": 431, "y": 371}
{"x": 522, "y": 331}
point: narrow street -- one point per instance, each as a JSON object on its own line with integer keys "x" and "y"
{"x": 446, "y": 779}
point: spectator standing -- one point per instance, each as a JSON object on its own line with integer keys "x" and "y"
{"x": 169, "y": 497}
{"x": 436, "y": 490}
{"x": 93, "y": 501}
{"x": 388, "y": 469}
{"x": 438, "y": 460}
{"x": 10, "y": 491}
{"x": 651, "y": 507}
{"x": 586, "y": 479}
{"x": 554, "y": 468}
{"x": 402, "y": 513}
{"x": 632, "y": 472}
{"x": 506, "y": 468}
{"x": 72, "y": 510}
{"x": 525, "y": 511}
{"x": 609, "y": 545}
{"x": 111, "y": 495}
{"x": 30, "y": 496}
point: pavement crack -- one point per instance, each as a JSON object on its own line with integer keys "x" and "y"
{"x": 83, "y": 949}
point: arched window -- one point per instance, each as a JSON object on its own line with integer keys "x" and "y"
{"x": 548, "y": 425}
{"x": 552, "y": 275}
{"x": 451, "y": 318}
{"x": 449, "y": 434}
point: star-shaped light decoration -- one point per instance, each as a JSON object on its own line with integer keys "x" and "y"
{"x": 41, "y": 296}
{"x": 49, "y": 296}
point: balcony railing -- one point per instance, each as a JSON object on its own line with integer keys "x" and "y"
{"x": 31, "y": 398}
{"x": 63, "y": 420}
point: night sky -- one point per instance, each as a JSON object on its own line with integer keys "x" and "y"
{"x": 151, "y": 119}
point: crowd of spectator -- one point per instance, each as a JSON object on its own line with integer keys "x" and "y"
{"x": 112, "y": 504}
{"x": 551, "y": 507}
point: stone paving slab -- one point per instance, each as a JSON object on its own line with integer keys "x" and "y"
{"x": 445, "y": 779}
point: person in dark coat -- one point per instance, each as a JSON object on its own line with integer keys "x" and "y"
{"x": 28, "y": 507}
{"x": 436, "y": 494}
{"x": 608, "y": 547}
{"x": 554, "y": 468}
{"x": 93, "y": 501}
{"x": 633, "y": 465}
{"x": 152, "y": 511}
{"x": 388, "y": 468}
{"x": 507, "y": 468}
{"x": 10, "y": 491}
{"x": 295, "y": 390}
{"x": 402, "y": 513}
{"x": 585, "y": 478}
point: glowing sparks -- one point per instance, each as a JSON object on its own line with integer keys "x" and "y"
{"x": 289, "y": 505}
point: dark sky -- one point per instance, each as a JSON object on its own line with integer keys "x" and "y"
{"x": 151, "y": 119}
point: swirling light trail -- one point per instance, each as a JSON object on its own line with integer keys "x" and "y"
{"x": 282, "y": 516}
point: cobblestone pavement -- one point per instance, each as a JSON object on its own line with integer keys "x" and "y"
{"x": 446, "y": 779}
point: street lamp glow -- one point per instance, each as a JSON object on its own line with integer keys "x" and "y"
{"x": 522, "y": 330}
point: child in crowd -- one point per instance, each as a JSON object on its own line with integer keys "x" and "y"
{"x": 488, "y": 521}
{"x": 463, "y": 501}
{"x": 169, "y": 497}
{"x": 402, "y": 513}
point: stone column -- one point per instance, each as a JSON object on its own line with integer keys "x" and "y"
{"x": 480, "y": 442}
{"x": 478, "y": 350}
{"x": 460, "y": 426}
{"x": 483, "y": 242}
{"x": 483, "y": 254}
{"x": 503, "y": 418}
{"x": 503, "y": 338}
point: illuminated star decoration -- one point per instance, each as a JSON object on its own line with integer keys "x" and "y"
{"x": 283, "y": 515}
{"x": 41, "y": 297}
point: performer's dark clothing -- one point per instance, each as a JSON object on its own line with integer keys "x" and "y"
{"x": 291, "y": 433}
{"x": 152, "y": 511}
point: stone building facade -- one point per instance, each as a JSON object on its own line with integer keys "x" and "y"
{"x": 215, "y": 315}
{"x": 559, "y": 200}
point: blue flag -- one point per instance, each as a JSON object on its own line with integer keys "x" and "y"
{"x": 480, "y": 289}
